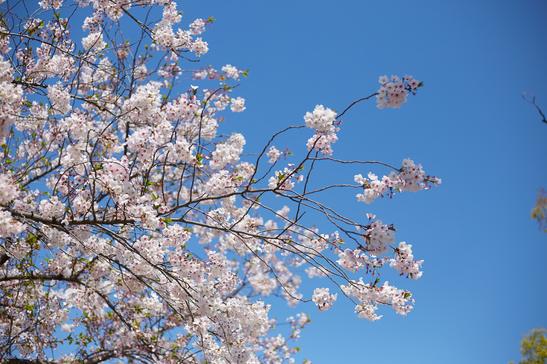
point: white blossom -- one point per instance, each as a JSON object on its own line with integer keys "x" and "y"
{"x": 323, "y": 299}
{"x": 237, "y": 104}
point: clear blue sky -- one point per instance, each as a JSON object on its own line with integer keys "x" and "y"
{"x": 484, "y": 282}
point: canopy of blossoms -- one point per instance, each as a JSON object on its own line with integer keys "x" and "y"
{"x": 132, "y": 229}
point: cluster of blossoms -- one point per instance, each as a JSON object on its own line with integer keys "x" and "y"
{"x": 133, "y": 229}
{"x": 404, "y": 261}
{"x": 11, "y": 97}
{"x": 273, "y": 154}
{"x": 298, "y": 322}
{"x": 410, "y": 177}
{"x": 94, "y": 42}
{"x": 393, "y": 91}
{"x": 8, "y": 190}
{"x": 227, "y": 152}
{"x": 9, "y": 227}
{"x": 231, "y": 71}
{"x": 166, "y": 37}
{"x": 59, "y": 98}
{"x": 371, "y": 296}
{"x": 54, "y": 4}
{"x": 226, "y": 73}
{"x": 237, "y": 104}
{"x": 285, "y": 179}
{"x": 356, "y": 259}
{"x": 323, "y": 298}
{"x": 322, "y": 120}
{"x": 378, "y": 236}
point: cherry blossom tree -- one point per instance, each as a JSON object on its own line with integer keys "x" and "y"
{"x": 132, "y": 229}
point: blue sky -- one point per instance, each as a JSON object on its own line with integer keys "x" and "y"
{"x": 484, "y": 282}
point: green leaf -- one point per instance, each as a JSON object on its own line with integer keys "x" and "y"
{"x": 29, "y": 307}
{"x": 376, "y": 281}
{"x": 199, "y": 158}
{"x": 32, "y": 240}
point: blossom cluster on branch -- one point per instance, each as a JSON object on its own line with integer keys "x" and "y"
{"x": 132, "y": 229}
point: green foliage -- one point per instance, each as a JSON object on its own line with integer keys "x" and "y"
{"x": 533, "y": 348}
